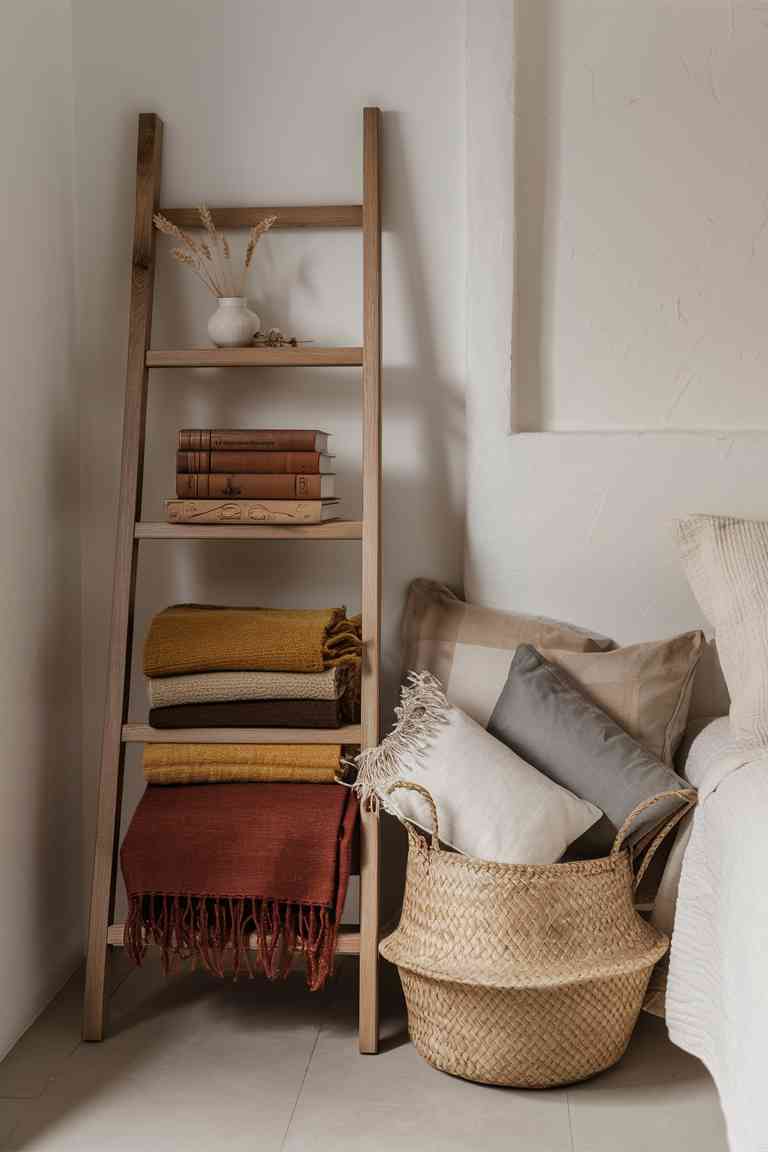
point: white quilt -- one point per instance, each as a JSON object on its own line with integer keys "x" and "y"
{"x": 717, "y": 993}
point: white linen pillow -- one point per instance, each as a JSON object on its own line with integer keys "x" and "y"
{"x": 726, "y": 562}
{"x": 490, "y": 803}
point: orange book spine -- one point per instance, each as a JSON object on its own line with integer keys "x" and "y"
{"x": 303, "y": 463}
{"x": 245, "y": 486}
{"x": 251, "y": 440}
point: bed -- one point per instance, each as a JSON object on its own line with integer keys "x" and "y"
{"x": 717, "y": 992}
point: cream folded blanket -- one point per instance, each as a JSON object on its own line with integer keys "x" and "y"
{"x": 212, "y": 687}
{"x": 227, "y": 763}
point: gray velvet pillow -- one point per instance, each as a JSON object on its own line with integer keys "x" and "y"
{"x": 543, "y": 717}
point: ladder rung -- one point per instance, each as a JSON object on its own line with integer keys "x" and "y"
{"x": 330, "y": 530}
{"x": 300, "y": 357}
{"x": 347, "y": 940}
{"x": 144, "y": 734}
{"x": 296, "y": 216}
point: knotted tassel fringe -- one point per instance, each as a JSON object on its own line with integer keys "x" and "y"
{"x": 422, "y": 709}
{"x": 209, "y": 931}
{"x": 342, "y": 643}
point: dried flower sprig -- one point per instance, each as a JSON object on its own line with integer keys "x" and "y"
{"x": 211, "y": 259}
{"x": 275, "y": 339}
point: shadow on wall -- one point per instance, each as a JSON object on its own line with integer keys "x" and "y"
{"x": 536, "y": 201}
{"x": 53, "y": 673}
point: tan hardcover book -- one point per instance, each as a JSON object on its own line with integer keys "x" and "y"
{"x": 253, "y": 440}
{"x": 304, "y": 463}
{"x": 247, "y": 486}
{"x": 250, "y": 511}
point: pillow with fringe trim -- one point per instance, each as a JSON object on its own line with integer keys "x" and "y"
{"x": 490, "y": 803}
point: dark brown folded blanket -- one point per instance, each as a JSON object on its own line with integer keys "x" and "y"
{"x": 250, "y": 714}
{"x": 208, "y": 866}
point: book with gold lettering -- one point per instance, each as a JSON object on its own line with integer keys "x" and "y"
{"x": 253, "y": 486}
{"x": 252, "y": 440}
{"x": 266, "y": 463}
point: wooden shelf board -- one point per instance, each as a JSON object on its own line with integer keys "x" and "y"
{"x": 144, "y": 734}
{"x": 305, "y": 356}
{"x": 347, "y": 941}
{"x": 288, "y": 216}
{"x": 330, "y": 530}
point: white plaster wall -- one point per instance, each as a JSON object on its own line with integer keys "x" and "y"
{"x": 262, "y": 103}
{"x": 40, "y": 833}
{"x": 575, "y": 525}
{"x": 642, "y": 214}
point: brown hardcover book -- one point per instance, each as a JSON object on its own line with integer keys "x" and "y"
{"x": 252, "y": 440}
{"x": 245, "y": 486}
{"x": 250, "y": 511}
{"x": 301, "y": 463}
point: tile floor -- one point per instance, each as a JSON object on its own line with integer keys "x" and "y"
{"x": 198, "y": 1065}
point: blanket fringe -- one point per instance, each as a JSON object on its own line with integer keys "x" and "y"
{"x": 342, "y": 643}
{"x": 213, "y": 931}
{"x": 422, "y": 709}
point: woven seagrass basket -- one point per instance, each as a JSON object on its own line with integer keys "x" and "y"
{"x": 524, "y": 975}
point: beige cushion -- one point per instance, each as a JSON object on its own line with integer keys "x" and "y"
{"x": 726, "y": 562}
{"x": 469, "y": 648}
{"x": 646, "y": 688}
{"x": 710, "y": 694}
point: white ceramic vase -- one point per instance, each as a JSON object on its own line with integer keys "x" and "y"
{"x": 233, "y": 324}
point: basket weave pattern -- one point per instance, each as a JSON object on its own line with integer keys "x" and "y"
{"x": 533, "y": 1038}
{"x": 525, "y": 975}
{"x": 497, "y": 923}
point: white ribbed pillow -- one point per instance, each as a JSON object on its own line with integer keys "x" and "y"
{"x": 726, "y": 562}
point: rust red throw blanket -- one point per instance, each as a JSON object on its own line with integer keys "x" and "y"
{"x": 208, "y": 865}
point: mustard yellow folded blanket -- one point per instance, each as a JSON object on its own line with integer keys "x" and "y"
{"x": 201, "y": 638}
{"x": 229, "y": 763}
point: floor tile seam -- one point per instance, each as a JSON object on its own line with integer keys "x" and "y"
{"x": 300, "y": 1088}
{"x": 6, "y": 1143}
{"x": 569, "y": 1112}
{"x": 49, "y": 1080}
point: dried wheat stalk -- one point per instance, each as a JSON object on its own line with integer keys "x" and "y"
{"x": 211, "y": 259}
{"x": 255, "y": 235}
{"x": 199, "y": 270}
{"x": 204, "y": 213}
{"x": 228, "y": 274}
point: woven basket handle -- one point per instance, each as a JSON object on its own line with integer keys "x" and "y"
{"x": 409, "y": 786}
{"x": 687, "y": 795}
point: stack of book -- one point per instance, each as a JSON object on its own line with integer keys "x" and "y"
{"x": 253, "y": 476}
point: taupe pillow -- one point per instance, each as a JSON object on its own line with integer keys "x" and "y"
{"x": 646, "y": 688}
{"x": 543, "y": 717}
{"x": 469, "y": 648}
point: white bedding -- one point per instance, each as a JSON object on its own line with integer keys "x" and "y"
{"x": 717, "y": 993}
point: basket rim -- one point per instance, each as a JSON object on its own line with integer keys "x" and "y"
{"x": 452, "y": 858}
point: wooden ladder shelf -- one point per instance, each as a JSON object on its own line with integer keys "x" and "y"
{"x": 361, "y": 941}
